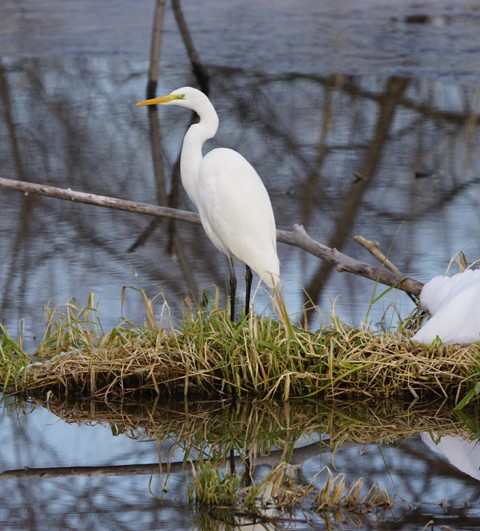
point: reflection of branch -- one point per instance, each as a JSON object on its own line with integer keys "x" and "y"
{"x": 10, "y": 263}
{"x": 197, "y": 68}
{"x": 11, "y": 125}
{"x": 299, "y": 455}
{"x": 155, "y": 49}
{"x": 321, "y": 155}
{"x": 350, "y": 86}
{"x": 298, "y": 237}
{"x": 444, "y": 197}
{"x": 88, "y": 471}
{"x": 389, "y": 103}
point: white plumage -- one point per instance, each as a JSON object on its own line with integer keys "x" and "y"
{"x": 454, "y": 303}
{"x": 236, "y": 212}
{"x": 231, "y": 199}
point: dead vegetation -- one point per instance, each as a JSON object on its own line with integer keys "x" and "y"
{"x": 209, "y": 356}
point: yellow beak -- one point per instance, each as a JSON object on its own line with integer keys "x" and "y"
{"x": 161, "y": 99}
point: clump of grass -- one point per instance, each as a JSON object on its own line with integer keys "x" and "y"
{"x": 207, "y": 355}
{"x": 211, "y": 488}
{"x": 74, "y": 327}
{"x": 335, "y": 495}
{"x": 279, "y": 496}
{"x": 12, "y": 359}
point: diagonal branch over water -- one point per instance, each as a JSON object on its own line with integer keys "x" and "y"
{"x": 298, "y": 237}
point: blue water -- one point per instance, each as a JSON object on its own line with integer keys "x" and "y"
{"x": 69, "y": 79}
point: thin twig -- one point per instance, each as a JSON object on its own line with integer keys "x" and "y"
{"x": 374, "y": 249}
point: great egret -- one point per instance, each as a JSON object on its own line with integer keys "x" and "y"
{"x": 231, "y": 199}
{"x": 454, "y": 305}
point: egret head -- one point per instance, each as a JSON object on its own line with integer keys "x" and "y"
{"x": 184, "y": 97}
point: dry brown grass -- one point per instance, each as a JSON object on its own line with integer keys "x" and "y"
{"x": 211, "y": 357}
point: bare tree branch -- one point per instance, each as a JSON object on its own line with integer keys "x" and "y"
{"x": 87, "y": 471}
{"x": 298, "y": 237}
{"x": 100, "y": 200}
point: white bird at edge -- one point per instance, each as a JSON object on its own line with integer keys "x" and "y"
{"x": 234, "y": 206}
{"x": 454, "y": 305}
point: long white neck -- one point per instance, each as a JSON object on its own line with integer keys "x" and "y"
{"x": 191, "y": 157}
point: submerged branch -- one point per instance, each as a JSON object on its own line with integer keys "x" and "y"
{"x": 298, "y": 237}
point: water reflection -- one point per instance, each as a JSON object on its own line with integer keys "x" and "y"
{"x": 462, "y": 454}
{"x": 392, "y": 159}
{"x": 68, "y": 120}
{"x": 109, "y": 462}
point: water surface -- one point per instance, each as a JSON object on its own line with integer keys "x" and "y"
{"x": 97, "y": 464}
{"x": 303, "y": 90}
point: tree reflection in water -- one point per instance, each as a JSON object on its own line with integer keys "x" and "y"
{"x": 329, "y": 155}
{"x": 116, "y": 480}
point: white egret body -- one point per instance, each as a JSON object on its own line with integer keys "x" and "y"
{"x": 231, "y": 199}
{"x": 454, "y": 303}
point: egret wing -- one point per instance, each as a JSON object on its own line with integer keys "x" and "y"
{"x": 236, "y": 210}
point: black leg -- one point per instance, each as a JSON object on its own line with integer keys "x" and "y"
{"x": 233, "y": 288}
{"x": 231, "y": 460}
{"x": 248, "y": 288}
